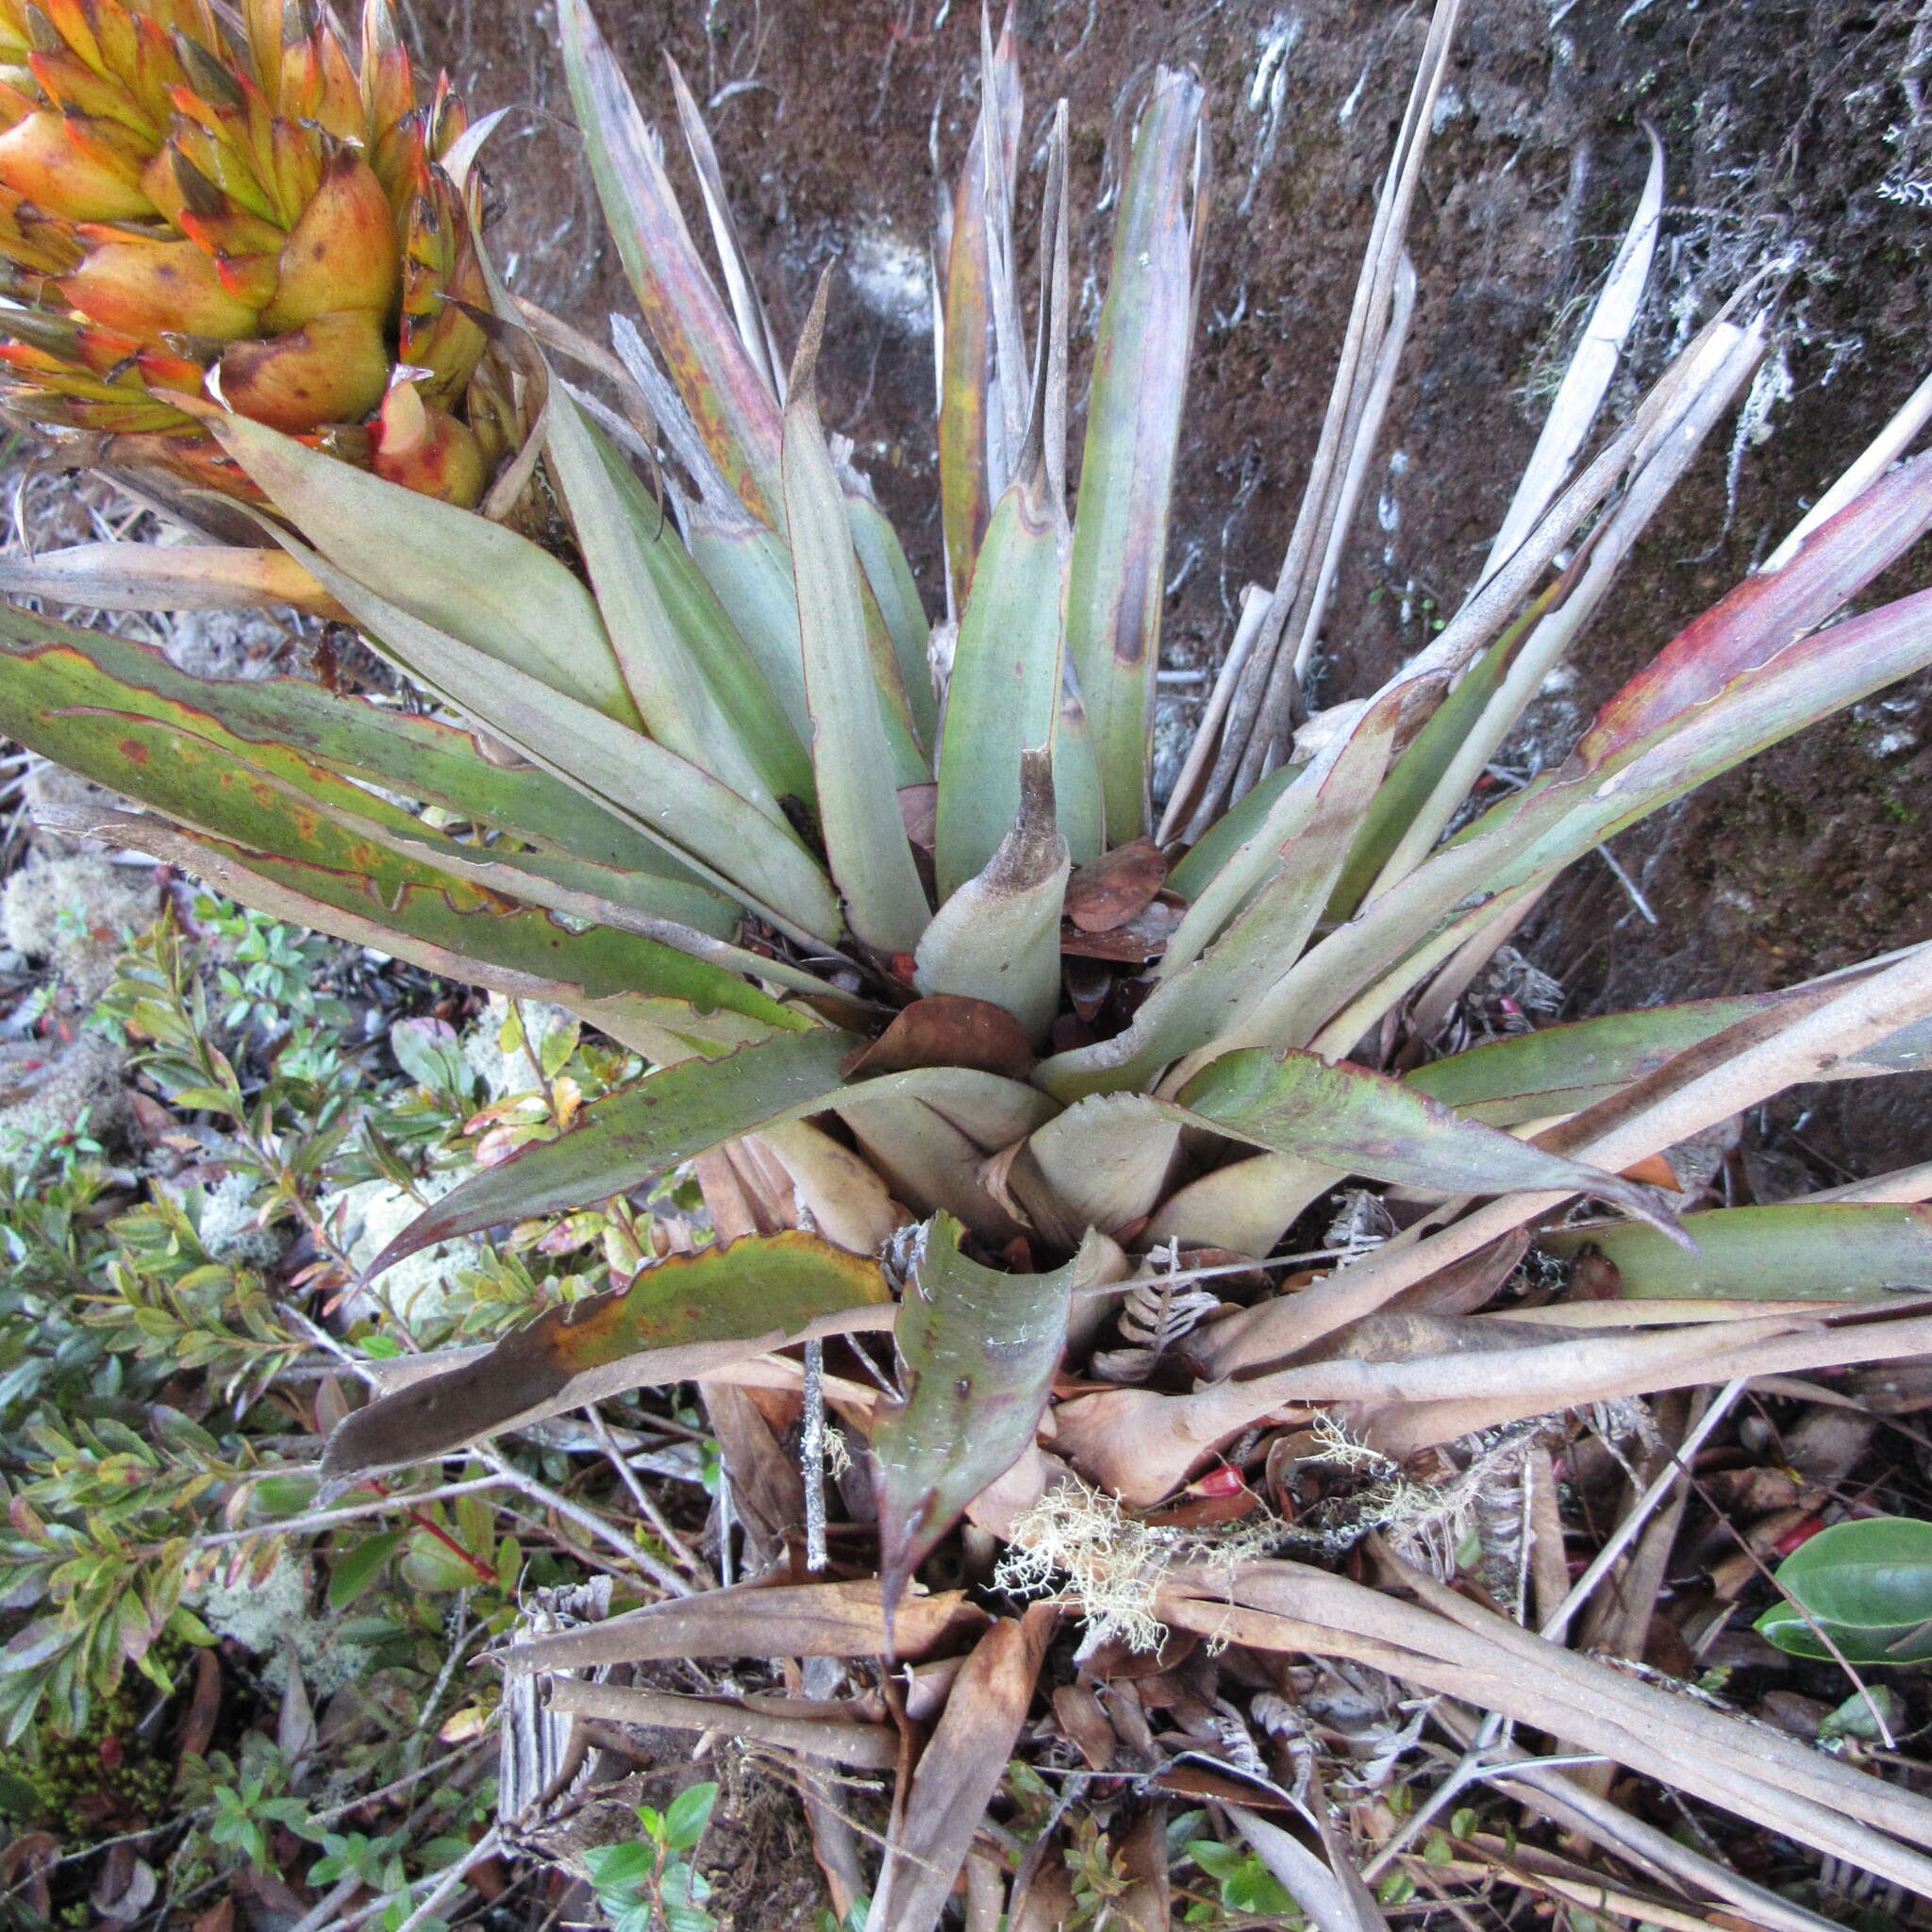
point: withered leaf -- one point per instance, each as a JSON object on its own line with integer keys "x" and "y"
{"x": 959, "y": 1772}
{"x": 948, "y": 1030}
{"x": 1116, "y": 887}
{"x": 755, "y": 1620}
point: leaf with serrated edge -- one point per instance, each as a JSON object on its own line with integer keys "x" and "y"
{"x": 762, "y": 1290}
{"x": 978, "y": 1350}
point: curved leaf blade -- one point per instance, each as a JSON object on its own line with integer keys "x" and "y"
{"x": 757, "y": 1293}
{"x": 978, "y": 1350}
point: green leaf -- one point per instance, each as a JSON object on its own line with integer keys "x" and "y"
{"x": 1117, "y": 574}
{"x": 447, "y": 567}
{"x": 619, "y": 1868}
{"x": 721, "y": 836}
{"x": 896, "y": 590}
{"x": 1564, "y": 1068}
{"x": 866, "y": 844}
{"x": 1869, "y": 1583}
{"x": 688, "y": 1816}
{"x": 1004, "y": 695}
{"x": 1284, "y": 872}
{"x": 294, "y": 825}
{"x": 978, "y": 1350}
{"x": 713, "y": 706}
{"x": 998, "y": 937}
{"x": 633, "y": 1135}
{"x": 762, "y": 1291}
{"x": 1363, "y": 1123}
{"x": 354, "y": 1572}
{"x": 1792, "y": 1250}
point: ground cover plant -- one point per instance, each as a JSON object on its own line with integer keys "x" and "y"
{"x": 1237, "y": 1291}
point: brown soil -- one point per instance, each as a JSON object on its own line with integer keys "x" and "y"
{"x": 1782, "y": 126}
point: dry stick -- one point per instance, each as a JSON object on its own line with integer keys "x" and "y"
{"x": 642, "y": 1496}
{"x": 1655, "y": 1735}
{"x": 1556, "y": 1626}
{"x": 328, "y": 1519}
{"x": 812, "y": 1453}
{"x": 1542, "y": 1785}
{"x": 659, "y": 1570}
{"x": 1271, "y": 670}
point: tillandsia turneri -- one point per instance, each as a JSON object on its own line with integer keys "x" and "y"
{"x": 960, "y": 1039}
{"x": 248, "y": 215}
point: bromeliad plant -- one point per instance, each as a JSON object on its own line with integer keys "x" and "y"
{"x": 182, "y": 210}
{"x": 884, "y": 903}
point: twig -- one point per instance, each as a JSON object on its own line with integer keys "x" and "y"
{"x": 812, "y": 1453}
{"x": 659, "y": 1570}
{"x": 331, "y": 1519}
{"x": 1557, "y": 1625}
{"x": 642, "y": 1496}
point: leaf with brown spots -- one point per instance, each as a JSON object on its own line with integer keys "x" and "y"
{"x": 675, "y": 1320}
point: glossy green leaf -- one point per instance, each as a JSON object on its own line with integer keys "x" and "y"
{"x": 761, "y": 1289}
{"x": 353, "y": 1572}
{"x": 447, "y": 567}
{"x": 978, "y": 1350}
{"x": 1117, "y": 572}
{"x": 1789, "y": 1251}
{"x": 866, "y": 845}
{"x": 1868, "y": 1582}
{"x": 1004, "y": 694}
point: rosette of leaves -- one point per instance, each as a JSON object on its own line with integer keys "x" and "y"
{"x": 875, "y": 883}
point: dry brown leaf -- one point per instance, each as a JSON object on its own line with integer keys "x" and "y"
{"x": 756, "y": 1619}
{"x": 1085, "y": 1724}
{"x": 948, "y": 1030}
{"x": 1446, "y": 1644}
{"x": 1116, "y": 887}
{"x": 958, "y": 1771}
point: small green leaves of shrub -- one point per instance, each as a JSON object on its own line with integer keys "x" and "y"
{"x": 1867, "y": 1584}
{"x": 648, "y": 1885}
